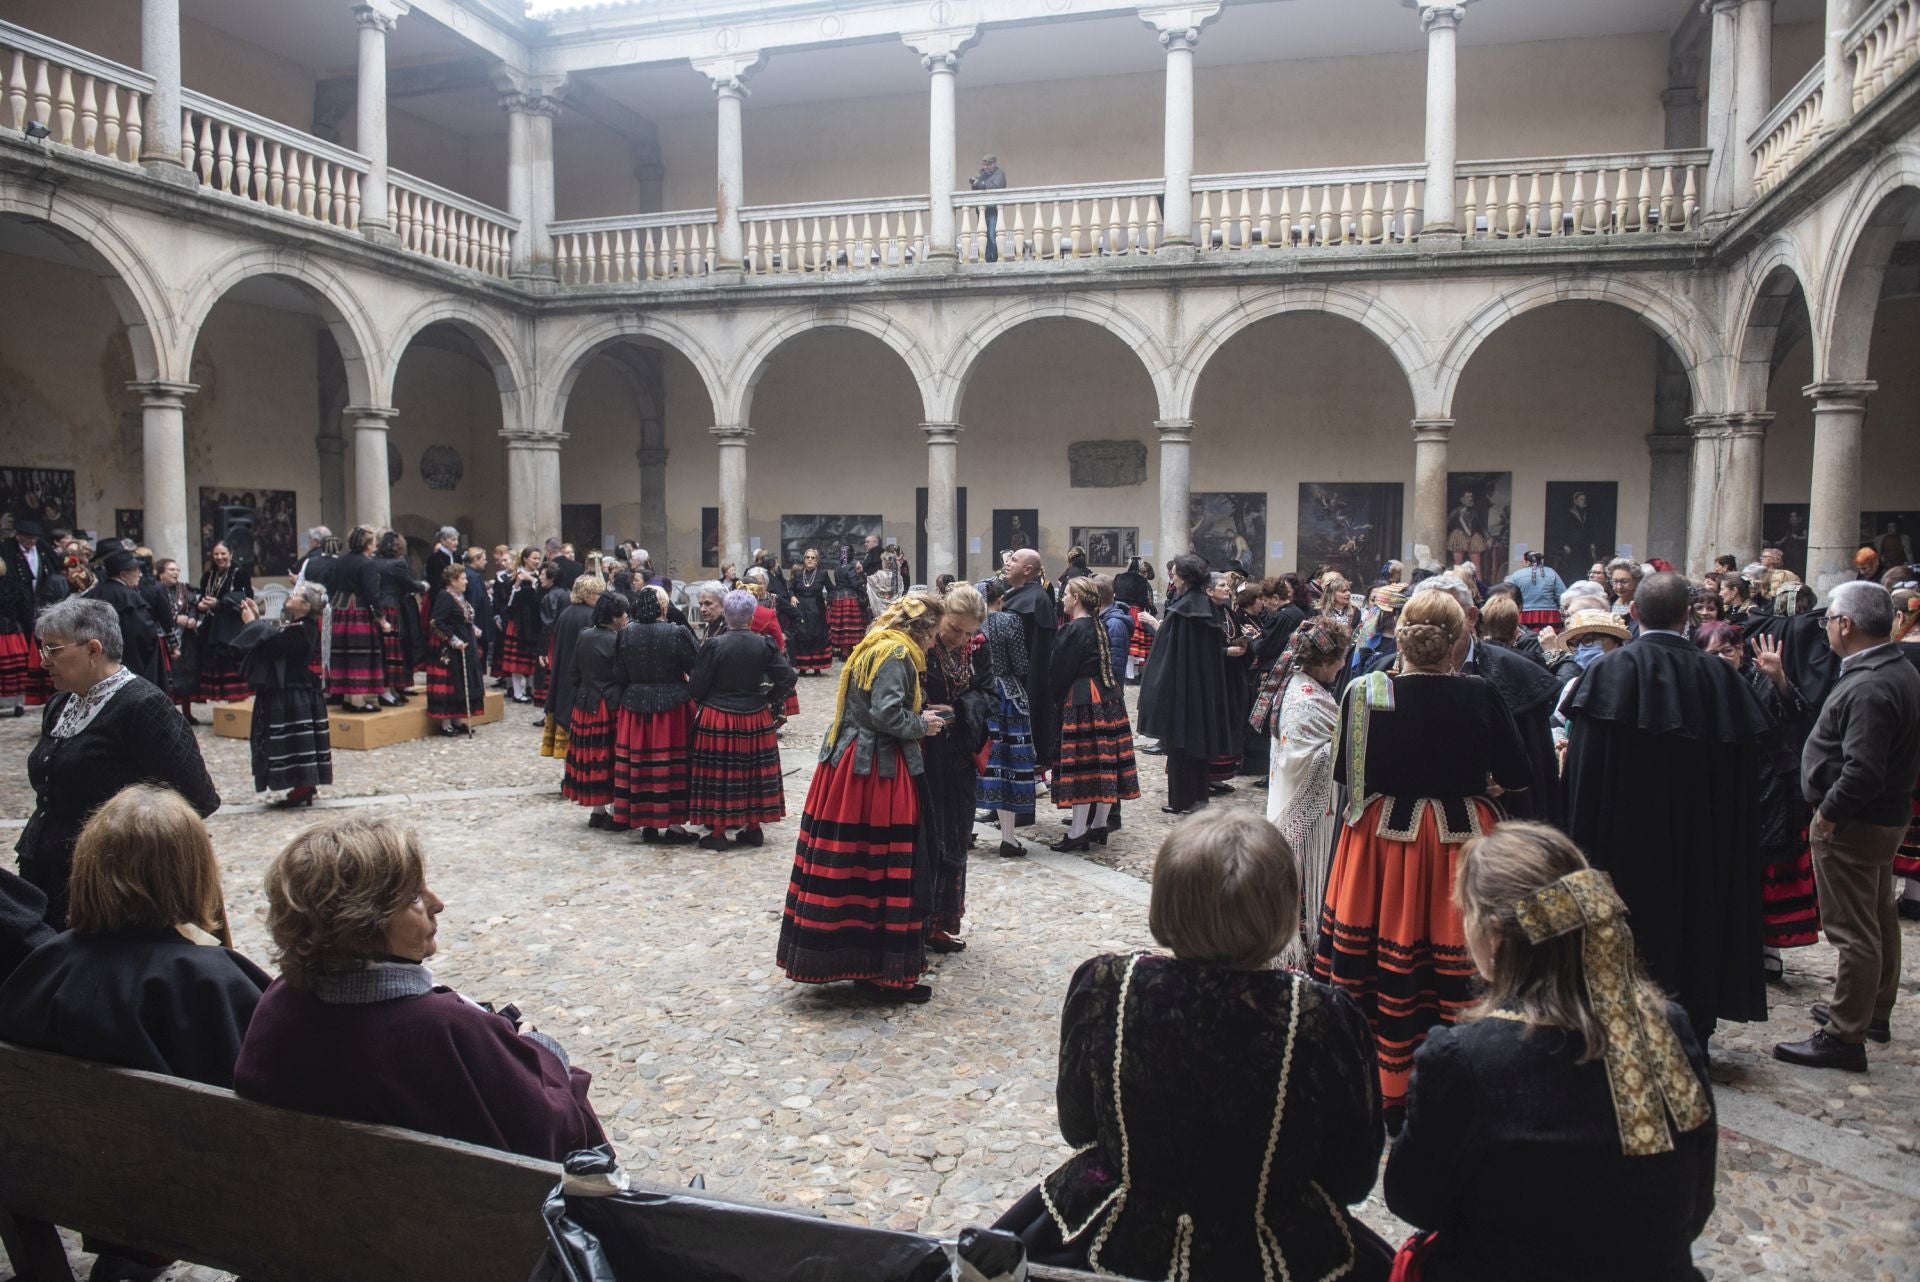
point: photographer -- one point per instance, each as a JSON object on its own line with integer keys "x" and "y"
{"x": 991, "y": 178}
{"x": 290, "y": 741}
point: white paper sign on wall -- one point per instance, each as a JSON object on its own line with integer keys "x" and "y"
{"x": 1146, "y": 547}
{"x": 755, "y": 543}
{"x": 973, "y": 545}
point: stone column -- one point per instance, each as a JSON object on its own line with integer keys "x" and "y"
{"x": 732, "y": 440}
{"x": 1179, "y": 32}
{"x": 533, "y": 487}
{"x": 1441, "y": 22}
{"x": 1742, "y": 486}
{"x": 1428, "y": 525}
{"x": 653, "y": 499}
{"x": 531, "y": 103}
{"x": 1833, "y": 518}
{"x": 160, "y": 58}
{"x": 1711, "y": 445}
{"x": 1752, "y": 88}
{"x": 333, "y": 481}
{"x": 943, "y": 469}
{"x": 940, "y": 54}
{"x": 1836, "y": 102}
{"x": 1176, "y": 487}
{"x": 1719, "y": 196}
{"x": 1669, "y": 463}
{"x": 372, "y": 495}
{"x": 163, "y": 465}
{"x": 729, "y": 76}
{"x": 370, "y": 116}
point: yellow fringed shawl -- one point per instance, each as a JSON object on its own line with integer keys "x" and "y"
{"x": 863, "y": 665}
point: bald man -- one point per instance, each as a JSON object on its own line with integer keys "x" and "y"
{"x": 1027, "y": 599}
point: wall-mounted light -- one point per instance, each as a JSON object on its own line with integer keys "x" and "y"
{"x": 37, "y": 132}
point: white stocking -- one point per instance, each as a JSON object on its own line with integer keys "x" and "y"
{"x": 519, "y": 685}
{"x": 1006, "y": 827}
{"x": 1079, "y": 825}
{"x": 1100, "y": 813}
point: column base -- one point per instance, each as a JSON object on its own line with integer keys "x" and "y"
{"x": 381, "y": 235}
{"x": 169, "y": 170}
{"x": 1447, "y": 234}
{"x": 729, "y": 272}
{"x": 1177, "y": 251}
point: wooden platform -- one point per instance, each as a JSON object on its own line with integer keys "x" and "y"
{"x": 362, "y": 731}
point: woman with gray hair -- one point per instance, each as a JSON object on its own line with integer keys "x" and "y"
{"x": 289, "y": 739}
{"x": 104, "y": 729}
{"x": 740, "y": 684}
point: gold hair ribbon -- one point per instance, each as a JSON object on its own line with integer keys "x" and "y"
{"x": 1647, "y": 1071}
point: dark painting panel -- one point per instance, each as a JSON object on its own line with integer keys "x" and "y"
{"x": 1014, "y": 528}
{"x": 1349, "y": 526}
{"x": 130, "y": 523}
{"x": 258, "y": 527}
{"x": 710, "y": 537}
{"x": 580, "y": 525}
{"x": 1581, "y": 516}
{"x": 1108, "y": 546}
{"x": 1230, "y": 526}
{"x": 44, "y": 493}
{"x": 826, "y": 532}
{"x": 1894, "y": 535}
{"x": 1784, "y": 526}
{"x": 1480, "y": 522}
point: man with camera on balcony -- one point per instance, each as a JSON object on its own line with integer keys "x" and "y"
{"x": 991, "y": 178}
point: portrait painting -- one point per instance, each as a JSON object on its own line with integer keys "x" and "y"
{"x": 1014, "y": 528}
{"x": 1894, "y": 535}
{"x": 1349, "y": 526}
{"x": 130, "y": 523}
{"x": 258, "y": 527}
{"x": 1108, "y": 546}
{"x": 1230, "y": 526}
{"x": 710, "y": 537}
{"x": 580, "y": 525}
{"x": 1784, "y": 526}
{"x": 1580, "y": 525}
{"x": 1479, "y": 522}
{"x": 44, "y": 493}
{"x": 828, "y": 533}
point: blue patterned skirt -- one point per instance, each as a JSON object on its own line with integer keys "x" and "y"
{"x": 1007, "y": 783}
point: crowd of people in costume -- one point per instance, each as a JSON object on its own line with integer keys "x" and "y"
{"x": 1523, "y": 845}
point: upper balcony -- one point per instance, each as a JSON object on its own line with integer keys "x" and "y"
{"x": 567, "y": 149}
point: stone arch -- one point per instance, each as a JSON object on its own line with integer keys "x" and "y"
{"x": 950, "y": 384}
{"x": 1868, "y": 227}
{"x": 1395, "y": 332}
{"x": 563, "y": 371}
{"x": 757, "y": 355}
{"x": 488, "y": 331}
{"x": 1767, "y": 288}
{"x": 130, "y": 282}
{"x": 346, "y": 316}
{"x": 1680, "y": 323}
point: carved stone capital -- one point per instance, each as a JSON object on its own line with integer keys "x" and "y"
{"x": 549, "y": 441}
{"x": 370, "y": 418}
{"x": 942, "y": 433}
{"x": 1708, "y": 426}
{"x": 730, "y": 434}
{"x": 1432, "y": 431}
{"x": 941, "y": 50}
{"x": 527, "y": 94}
{"x": 380, "y": 15}
{"x": 1179, "y": 25}
{"x": 651, "y": 456}
{"x": 729, "y": 71}
{"x": 159, "y": 394}
{"x": 1174, "y": 431}
{"x": 1840, "y": 393}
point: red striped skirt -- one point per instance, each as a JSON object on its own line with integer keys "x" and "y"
{"x": 1096, "y": 751}
{"x": 1906, "y": 860}
{"x": 515, "y": 658}
{"x": 1141, "y": 643}
{"x": 650, "y": 767}
{"x": 810, "y": 656}
{"x": 793, "y": 705}
{"x": 393, "y": 650}
{"x": 852, "y": 909}
{"x": 846, "y": 624}
{"x": 357, "y": 663}
{"x": 219, "y": 676}
{"x": 39, "y": 684}
{"x": 1540, "y": 618}
{"x": 589, "y": 775}
{"x": 455, "y": 691}
{"x": 1223, "y": 769}
{"x": 16, "y": 667}
{"x": 1789, "y": 902}
{"x": 736, "y": 770}
{"x": 1391, "y": 939}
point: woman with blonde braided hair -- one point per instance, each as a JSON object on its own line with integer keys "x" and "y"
{"x": 1096, "y": 769}
{"x": 862, "y": 883}
{"x": 1568, "y": 1117}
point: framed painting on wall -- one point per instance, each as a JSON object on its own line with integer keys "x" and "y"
{"x": 130, "y": 523}
{"x": 1579, "y": 527}
{"x": 1014, "y": 528}
{"x": 1229, "y": 526}
{"x": 44, "y": 493}
{"x": 1894, "y": 535}
{"x": 580, "y": 526}
{"x": 826, "y": 532}
{"x": 710, "y": 537}
{"x": 1479, "y": 522}
{"x": 256, "y": 525}
{"x": 1784, "y": 526}
{"x": 1349, "y": 526}
{"x": 1108, "y": 546}
{"x": 920, "y": 524}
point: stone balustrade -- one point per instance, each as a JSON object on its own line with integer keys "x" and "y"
{"x": 1632, "y": 194}
{"x": 262, "y": 162}
{"x": 632, "y": 251}
{"x": 1090, "y": 220}
{"x": 1882, "y": 44}
{"x": 444, "y": 225}
{"x": 1789, "y": 131}
{"x": 1309, "y": 208}
{"x": 86, "y": 102}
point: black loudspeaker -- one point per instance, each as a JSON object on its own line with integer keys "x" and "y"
{"x": 236, "y": 531}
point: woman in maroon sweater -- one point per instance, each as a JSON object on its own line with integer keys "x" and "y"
{"x": 356, "y": 1028}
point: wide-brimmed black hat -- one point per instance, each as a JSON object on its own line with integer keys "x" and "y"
{"x": 29, "y": 525}
{"x": 119, "y": 561}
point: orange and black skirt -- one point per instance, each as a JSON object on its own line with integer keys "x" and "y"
{"x": 1140, "y": 644}
{"x": 590, "y": 742}
{"x": 1390, "y": 936}
{"x": 855, "y": 902}
{"x": 650, "y": 767}
{"x": 1096, "y": 749}
{"x": 736, "y": 778}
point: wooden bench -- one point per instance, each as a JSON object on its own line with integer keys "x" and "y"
{"x": 191, "y": 1171}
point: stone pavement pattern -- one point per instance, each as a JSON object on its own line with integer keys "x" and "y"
{"x": 655, "y": 967}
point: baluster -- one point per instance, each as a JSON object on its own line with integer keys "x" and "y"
{"x": 1075, "y": 226}
{"x": 436, "y": 244}
{"x": 1690, "y": 198}
{"x": 1346, "y": 214}
{"x": 1669, "y": 206}
{"x": 1390, "y": 215}
{"x": 403, "y": 216}
{"x": 1206, "y": 221}
{"x": 1119, "y": 230}
{"x": 1056, "y": 235}
{"x": 1407, "y": 213}
{"x": 864, "y": 248}
{"x": 566, "y": 259}
{"x": 89, "y": 114}
{"x": 323, "y": 193}
{"x": 223, "y": 161}
{"x": 205, "y": 153}
{"x": 919, "y": 237}
{"x": 677, "y": 260}
{"x": 1535, "y": 212}
{"x": 277, "y": 180}
{"x": 464, "y": 246}
{"x": 833, "y": 242}
{"x": 353, "y": 200}
{"x": 1286, "y": 219}
{"x": 605, "y": 262}
{"x": 1556, "y": 206}
{"x": 1602, "y": 204}
{"x": 1515, "y": 211}
{"x": 1367, "y": 227}
{"x": 1578, "y": 207}
{"x": 257, "y": 182}
{"x": 1622, "y": 203}
{"x": 1471, "y": 208}
{"x": 1266, "y": 218}
{"x": 784, "y": 262}
{"x": 17, "y": 91}
{"x": 136, "y": 130}
{"x": 1326, "y": 214}
{"x": 307, "y": 184}
{"x": 1133, "y": 236}
{"x": 1020, "y": 247}
{"x": 647, "y": 267}
{"x": 1150, "y": 230}
{"x": 1646, "y": 195}
{"x": 243, "y": 164}
{"x": 630, "y": 258}
{"x": 42, "y": 92}
{"x": 64, "y": 109}
{"x": 809, "y": 246}
{"x": 110, "y": 121}
{"x": 753, "y": 249}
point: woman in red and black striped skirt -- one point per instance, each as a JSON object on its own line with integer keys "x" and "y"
{"x": 1096, "y": 769}
{"x": 739, "y": 679}
{"x": 653, "y": 730}
{"x": 594, "y": 679}
{"x": 16, "y": 640}
{"x": 456, "y": 687}
{"x": 356, "y": 662}
{"x": 846, "y": 605}
{"x": 402, "y": 643}
{"x": 223, "y": 586}
{"x": 517, "y": 602}
{"x": 862, "y": 882}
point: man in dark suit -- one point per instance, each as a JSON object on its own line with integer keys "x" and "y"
{"x": 479, "y": 593}
{"x": 29, "y": 557}
{"x": 119, "y": 587}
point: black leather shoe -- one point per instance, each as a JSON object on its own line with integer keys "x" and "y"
{"x": 1152, "y": 750}
{"x": 1099, "y": 835}
{"x": 1012, "y": 850}
{"x": 714, "y": 841}
{"x": 1822, "y": 1051}
{"x": 938, "y": 943}
{"x": 1219, "y": 789}
{"x": 600, "y": 820}
{"x": 1878, "y": 1030}
{"x": 1169, "y": 810}
{"x": 916, "y": 995}
{"x": 753, "y": 836}
{"x": 1073, "y": 845}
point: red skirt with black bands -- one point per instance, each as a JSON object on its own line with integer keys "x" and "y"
{"x": 736, "y": 776}
{"x": 650, "y": 777}
{"x": 590, "y": 741}
{"x": 1906, "y": 860}
{"x": 846, "y": 624}
{"x": 1540, "y": 618}
{"x": 219, "y": 676}
{"x": 455, "y": 690}
{"x": 515, "y": 658}
{"x": 393, "y": 650}
{"x": 1789, "y": 902}
{"x": 16, "y": 668}
{"x": 356, "y": 664}
{"x": 1096, "y": 751}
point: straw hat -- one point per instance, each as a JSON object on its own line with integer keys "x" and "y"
{"x": 1598, "y": 623}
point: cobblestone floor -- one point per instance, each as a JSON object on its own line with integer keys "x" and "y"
{"x": 655, "y": 967}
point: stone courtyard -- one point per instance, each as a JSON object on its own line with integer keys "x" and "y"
{"x": 654, "y": 966}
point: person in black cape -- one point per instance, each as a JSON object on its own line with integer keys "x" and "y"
{"x": 224, "y": 584}
{"x": 290, "y": 741}
{"x": 1662, "y": 789}
{"x": 139, "y": 634}
{"x": 1183, "y": 697}
{"x": 1029, "y": 601}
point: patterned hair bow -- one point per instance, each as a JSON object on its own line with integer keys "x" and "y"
{"x": 1647, "y": 1071}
